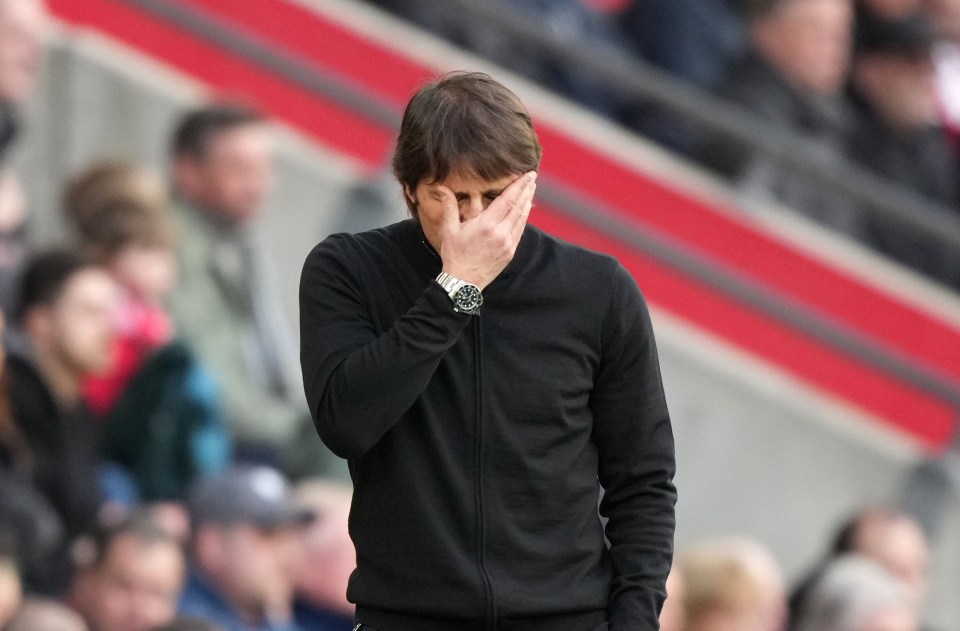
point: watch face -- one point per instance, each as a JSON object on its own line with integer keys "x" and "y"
{"x": 468, "y": 299}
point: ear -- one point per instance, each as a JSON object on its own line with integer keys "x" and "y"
{"x": 410, "y": 196}
{"x": 185, "y": 175}
{"x": 38, "y": 321}
{"x": 208, "y": 547}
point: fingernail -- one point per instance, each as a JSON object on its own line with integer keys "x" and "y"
{"x": 533, "y": 176}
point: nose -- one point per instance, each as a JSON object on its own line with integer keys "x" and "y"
{"x": 472, "y": 207}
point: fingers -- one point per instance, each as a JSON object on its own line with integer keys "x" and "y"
{"x": 449, "y": 210}
{"x": 524, "y": 206}
{"x": 509, "y": 200}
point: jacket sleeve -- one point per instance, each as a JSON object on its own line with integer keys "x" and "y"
{"x": 359, "y": 384}
{"x": 635, "y": 443}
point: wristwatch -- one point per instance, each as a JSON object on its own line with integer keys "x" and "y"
{"x": 466, "y": 296}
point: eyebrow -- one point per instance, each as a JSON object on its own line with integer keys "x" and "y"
{"x": 492, "y": 192}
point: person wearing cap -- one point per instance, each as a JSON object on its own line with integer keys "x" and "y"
{"x": 791, "y": 78}
{"x": 246, "y": 524}
{"x": 134, "y": 578}
{"x": 899, "y": 134}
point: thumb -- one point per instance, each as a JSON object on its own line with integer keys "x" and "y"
{"x": 449, "y": 210}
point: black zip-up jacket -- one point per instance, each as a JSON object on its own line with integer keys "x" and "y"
{"x": 476, "y": 442}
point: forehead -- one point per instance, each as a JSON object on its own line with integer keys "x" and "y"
{"x": 88, "y": 284}
{"x": 131, "y": 546}
{"x": 22, "y": 13}
{"x": 249, "y": 137}
{"x": 470, "y": 183}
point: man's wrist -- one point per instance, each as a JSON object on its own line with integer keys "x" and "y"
{"x": 466, "y": 296}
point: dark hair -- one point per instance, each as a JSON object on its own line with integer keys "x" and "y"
{"x": 193, "y": 135}
{"x": 117, "y": 204}
{"x": 464, "y": 122}
{"x": 140, "y": 525}
{"x": 754, "y": 9}
{"x": 45, "y": 276}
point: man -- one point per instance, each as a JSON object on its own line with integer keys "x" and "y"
{"x": 135, "y": 579}
{"x": 857, "y": 594}
{"x": 946, "y": 15}
{"x": 791, "y": 78}
{"x": 899, "y": 135}
{"x": 481, "y": 376}
{"x": 732, "y": 583}
{"x": 892, "y": 539}
{"x": 225, "y": 306}
{"x": 22, "y": 23}
{"x": 246, "y": 550}
{"x": 328, "y": 558}
{"x": 66, "y": 333}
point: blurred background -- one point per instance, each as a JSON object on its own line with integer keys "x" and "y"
{"x": 782, "y": 177}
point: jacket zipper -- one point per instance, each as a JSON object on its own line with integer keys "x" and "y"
{"x": 491, "y": 613}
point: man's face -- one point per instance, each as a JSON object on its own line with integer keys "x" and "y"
{"x": 22, "y": 23}
{"x": 809, "y": 41}
{"x": 260, "y": 565}
{"x": 473, "y": 195}
{"x": 235, "y": 175}
{"x": 136, "y": 587}
{"x": 81, "y": 325}
{"x": 901, "y": 87}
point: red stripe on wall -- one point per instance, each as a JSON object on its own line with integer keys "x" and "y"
{"x": 636, "y": 195}
{"x": 324, "y": 120}
{"x": 924, "y": 416}
{"x": 633, "y": 194}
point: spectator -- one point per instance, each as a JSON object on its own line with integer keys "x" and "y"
{"x": 134, "y": 580}
{"x": 163, "y": 420}
{"x": 43, "y": 614}
{"x": 67, "y": 332}
{"x": 899, "y": 135}
{"x": 732, "y": 585}
{"x": 13, "y": 234}
{"x": 792, "y": 78}
{"x": 119, "y": 212}
{"x": 695, "y": 40}
{"x": 328, "y": 558}
{"x": 246, "y": 550}
{"x": 22, "y": 23}
{"x": 892, "y": 539}
{"x": 857, "y": 594}
{"x": 946, "y": 16}
{"x": 581, "y": 22}
{"x": 26, "y": 517}
{"x": 225, "y": 305}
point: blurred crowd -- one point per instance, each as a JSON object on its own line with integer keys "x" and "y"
{"x": 158, "y": 466}
{"x": 872, "y": 83}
